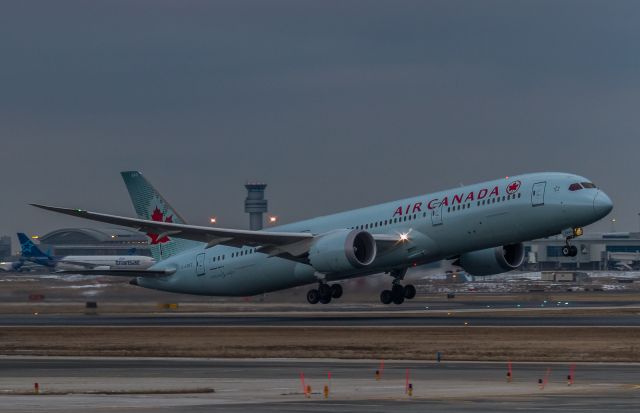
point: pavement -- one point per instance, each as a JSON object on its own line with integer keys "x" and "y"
{"x": 274, "y": 385}
{"x": 306, "y": 319}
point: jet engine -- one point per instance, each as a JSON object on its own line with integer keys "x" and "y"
{"x": 342, "y": 250}
{"x": 492, "y": 260}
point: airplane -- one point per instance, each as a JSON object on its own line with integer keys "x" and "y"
{"x": 480, "y": 228}
{"x": 71, "y": 263}
{"x": 12, "y": 265}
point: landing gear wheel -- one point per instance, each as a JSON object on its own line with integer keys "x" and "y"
{"x": 573, "y": 251}
{"x": 313, "y": 296}
{"x": 566, "y": 250}
{"x": 409, "y": 291}
{"x": 386, "y": 297}
{"x": 325, "y": 290}
{"x": 336, "y": 291}
{"x": 397, "y": 290}
{"x": 325, "y": 299}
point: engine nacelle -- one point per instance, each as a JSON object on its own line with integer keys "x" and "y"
{"x": 342, "y": 250}
{"x": 493, "y": 260}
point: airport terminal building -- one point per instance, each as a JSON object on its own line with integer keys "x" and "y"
{"x": 596, "y": 251}
{"x": 92, "y": 241}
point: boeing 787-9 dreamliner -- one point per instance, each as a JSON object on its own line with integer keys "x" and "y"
{"x": 479, "y": 227}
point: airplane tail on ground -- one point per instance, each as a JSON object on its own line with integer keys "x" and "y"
{"x": 29, "y": 249}
{"x": 150, "y": 204}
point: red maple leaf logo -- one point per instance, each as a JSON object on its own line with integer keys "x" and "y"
{"x": 158, "y": 216}
{"x": 513, "y": 187}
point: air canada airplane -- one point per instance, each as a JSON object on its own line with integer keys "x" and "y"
{"x": 480, "y": 228}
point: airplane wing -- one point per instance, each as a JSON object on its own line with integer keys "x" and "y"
{"x": 270, "y": 242}
{"x": 121, "y": 273}
{"x": 208, "y": 235}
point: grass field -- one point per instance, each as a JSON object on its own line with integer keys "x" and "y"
{"x": 578, "y": 344}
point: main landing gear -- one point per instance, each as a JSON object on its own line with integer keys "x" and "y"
{"x": 398, "y": 293}
{"x": 324, "y": 293}
{"x": 571, "y": 250}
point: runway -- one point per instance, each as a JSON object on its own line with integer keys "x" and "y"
{"x": 275, "y": 386}
{"x": 303, "y": 319}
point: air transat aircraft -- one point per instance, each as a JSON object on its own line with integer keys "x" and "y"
{"x": 31, "y": 252}
{"x": 479, "y": 227}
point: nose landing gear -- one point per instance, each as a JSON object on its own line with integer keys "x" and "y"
{"x": 570, "y": 250}
{"x": 324, "y": 293}
{"x": 398, "y": 293}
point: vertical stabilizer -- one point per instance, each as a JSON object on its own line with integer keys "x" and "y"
{"x": 150, "y": 204}
{"x": 28, "y": 248}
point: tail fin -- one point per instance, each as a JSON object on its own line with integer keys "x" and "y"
{"x": 150, "y": 204}
{"x": 29, "y": 249}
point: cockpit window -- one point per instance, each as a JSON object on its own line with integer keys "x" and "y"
{"x": 575, "y": 187}
{"x": 588, "y": 185}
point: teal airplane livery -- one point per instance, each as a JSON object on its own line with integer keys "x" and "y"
{"x": 480, "y": 228}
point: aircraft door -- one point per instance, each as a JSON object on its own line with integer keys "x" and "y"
{"x": 436, "y": 215}
{"x": 537, "y": 193}
{"x": 200, "y": 264}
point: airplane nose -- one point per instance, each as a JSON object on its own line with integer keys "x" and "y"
{"x": 602, "y": 204}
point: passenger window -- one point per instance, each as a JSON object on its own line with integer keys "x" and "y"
{"x": 575, "y": 187}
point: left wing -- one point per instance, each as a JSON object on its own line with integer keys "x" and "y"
{"x": 270, "y": 242}
{"x": 208, "y": 235}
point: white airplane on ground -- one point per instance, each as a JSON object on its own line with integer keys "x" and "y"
{"x": 479, "y": 227}
{"x": 31, "y": 252}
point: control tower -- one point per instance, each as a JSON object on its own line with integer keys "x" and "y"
{"x": 255, "y": 204}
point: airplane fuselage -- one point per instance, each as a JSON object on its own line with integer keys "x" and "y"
{"x": 124, "y": 262}
{"x": 436, "y": 226}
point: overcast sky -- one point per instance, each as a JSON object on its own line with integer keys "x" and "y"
{"x": 335, "y": 105}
